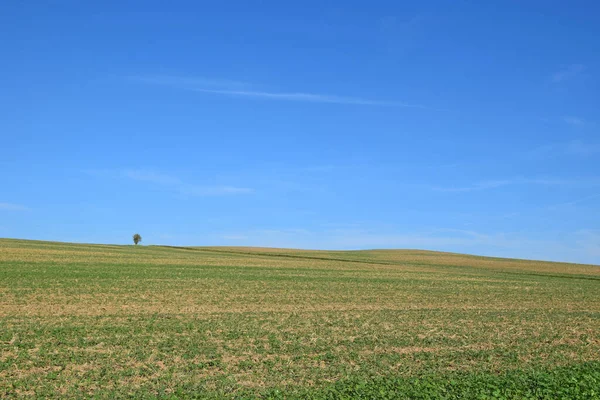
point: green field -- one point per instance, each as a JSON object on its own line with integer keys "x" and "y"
{"x": 121, "y": 321}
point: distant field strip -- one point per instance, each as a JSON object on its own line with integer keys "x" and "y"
{"x": 81, "y": 320}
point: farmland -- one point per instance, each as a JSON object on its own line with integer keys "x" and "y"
{"x": 151, "y": 321}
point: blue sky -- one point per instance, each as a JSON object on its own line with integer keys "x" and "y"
{"x": 462, "y": 126}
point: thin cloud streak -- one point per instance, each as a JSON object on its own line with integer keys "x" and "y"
{"x": 241, "y": 89}
{"x": 194, "y": 190}
{"x": 573, "y": 202}
{"x": 183, "y": 188}
{"x": 172, "y": 183}
{"x": 309, "y": 97}
{"x": 13, "y": 207}
{"x": 575, "y": 147}
{"x": 574, "y": 120}
{"x": 593, "y": 182}
{"x": 579, "y": 148}
{"x": 151, "y": 176}
{"x": 567, "y": 73}
{"x": 189, "y": 82}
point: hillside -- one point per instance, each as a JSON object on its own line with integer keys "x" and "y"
{"x": 147, "y": 321}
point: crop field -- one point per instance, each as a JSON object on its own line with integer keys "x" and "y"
{"x": 163, "y": 322}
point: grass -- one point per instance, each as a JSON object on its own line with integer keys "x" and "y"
{"x": 121, "y": 321}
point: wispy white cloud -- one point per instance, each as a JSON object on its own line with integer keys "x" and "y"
{"x": 541, "y": 151}
{"x": 575, "y": 147}
{"x": 580, "y": 148}
{"x": 189, "y": 82}
{"x": 393, "y": 25}
{"x": 151, "y": 176}
{"x": 589, "y": 242}
{"x": 13, "y": 207}
{"x": 477, "y": 186}
{"x": 568, "y": 72}
{"x": 492, "y": 184}
{"x": 309, "y": 97}
{"x": 172, "y": 183}
{"x": 196, "y": 190}
{"x": 235, "y": 237}
{"x": 182, "y": 187}
{"x": 438, "y": 239}
{"x": 571, "y": 120}
{"x": 574, "y": 202}
{"x": 241, "y": 89}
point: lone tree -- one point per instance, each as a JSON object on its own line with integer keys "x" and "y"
{"x": 137, "y": 238}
